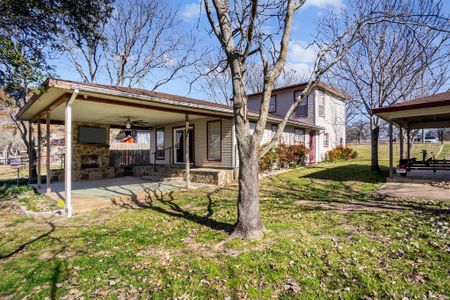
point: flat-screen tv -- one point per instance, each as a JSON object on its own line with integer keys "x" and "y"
{"x": 91, "y": 135}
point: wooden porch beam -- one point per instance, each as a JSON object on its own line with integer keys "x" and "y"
{"x": 38, "y": 152}
{"x": 186, "y": 150}
{"x": 401, "y": 138}
{"x": 50, "y": 107}
{"x": 48, "y": 177}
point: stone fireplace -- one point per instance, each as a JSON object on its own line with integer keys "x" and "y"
{"x": 90, "y": 161}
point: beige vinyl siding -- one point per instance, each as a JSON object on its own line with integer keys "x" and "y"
{"x": 333, "y": 122}
{"x": 284, "y": 101}
{"x": 200, "y": 142}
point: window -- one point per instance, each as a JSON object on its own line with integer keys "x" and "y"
{"x": 273, "y": 104}
{"x": 160, "y": 154}
{"x": 302, "y": 108}
{"x": 321, "y": 104}
{"x": 252, "y": 127}
{"x": 214, "y": 139}
{"x": 299, "y": 136}
{"x": 274, "y": 129}
{"x": 326, "y": 139}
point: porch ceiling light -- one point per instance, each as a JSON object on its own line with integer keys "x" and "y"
{"x": 128, "y": 123}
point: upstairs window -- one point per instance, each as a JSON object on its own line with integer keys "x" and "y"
{"x": 302, "y": 108}
{"x": 273, "y": 104}
{"x": 321, "y": 104}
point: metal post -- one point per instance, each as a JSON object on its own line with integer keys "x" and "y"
{"x": 186, "y": 149}
{"x": 39, "y": 134}
{"x": 408, "y": 143}
{"x": 48, "y": 178}
{"x": 391, "y": 156}
{"x": 68, "y": 154}
{"x": 401, "y": 142}
{"x": 30, "y": 141}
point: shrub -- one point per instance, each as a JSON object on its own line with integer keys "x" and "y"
{"x": 284, "y": 156}
{"x": 299, "y": 154}
{"x": 341, "y": 153}
{"x": 268, "y": 160}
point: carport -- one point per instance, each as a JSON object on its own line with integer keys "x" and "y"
{"x": 421, "y": 113}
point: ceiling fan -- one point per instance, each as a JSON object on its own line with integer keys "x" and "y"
{"x": 128, "y": 123}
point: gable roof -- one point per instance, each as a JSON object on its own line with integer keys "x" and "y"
{"x": 147, "y": 97}
{"x": 321, "y": 85}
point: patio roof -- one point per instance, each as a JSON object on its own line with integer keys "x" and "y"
{"x": 425, "y": 112}
{"x": 152, "y": 107}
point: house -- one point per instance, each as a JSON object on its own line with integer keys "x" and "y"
{"x": 323, "y": 110}
{"x": 89, "y": 111}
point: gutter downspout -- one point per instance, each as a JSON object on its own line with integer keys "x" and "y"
{"x": 68, "y": 153}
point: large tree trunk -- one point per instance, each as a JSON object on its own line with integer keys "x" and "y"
{"x": 374, "y": 134}
{"x": 248, "y": 223}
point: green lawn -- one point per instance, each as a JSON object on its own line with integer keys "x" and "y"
{"x": 416, "y": 151}
{"x": 327, "y": 237}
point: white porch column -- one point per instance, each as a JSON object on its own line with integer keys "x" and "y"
{"x": 30, "y": 140}
{"x": 39, "y": 161}
{"x": 186, "y": 150}
{"x": 48, "y": 177}
{"x": 391, "y": 157}
{"x": 68, "y": 154}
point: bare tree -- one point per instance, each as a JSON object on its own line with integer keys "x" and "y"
{"x": 216, "y": 81}
{"x": 237, "y": 27}
{"x": 143, "y": 45}
{"x": 390, "y": 59}
{"x": 140, "y": 44}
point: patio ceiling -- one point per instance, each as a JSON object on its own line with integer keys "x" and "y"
{"x": 111, "y": 106}
{"x": 426, "y": 112}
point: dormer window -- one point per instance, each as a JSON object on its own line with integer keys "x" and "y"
{"x": 302, "y": 108}
{"x": 273, "y": 104}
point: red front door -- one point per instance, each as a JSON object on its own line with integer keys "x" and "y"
{"x": 312, "y": 147}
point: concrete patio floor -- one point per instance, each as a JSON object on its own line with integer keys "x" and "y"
{"x": 95, "y": 194}
{"x": 422, "y": 176}
{"x": 413, "y": 190}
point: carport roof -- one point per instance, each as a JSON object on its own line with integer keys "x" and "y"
{"x": 425, "y": 112}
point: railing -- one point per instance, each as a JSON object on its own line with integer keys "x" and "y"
{"x": 119, "y": 158}
{"x": 162, "y": 151}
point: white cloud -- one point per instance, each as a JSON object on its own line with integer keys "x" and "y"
{"x": 301, "y": 53}
{"x": 303, "y": 71}
{"x": 333, "y": 4}
{"x": 191, "y": 11}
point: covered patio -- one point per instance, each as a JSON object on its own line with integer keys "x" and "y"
{"x": 87, "y": 175}
{"x": 125, "y": 191}
{"x": 421, "y": 113}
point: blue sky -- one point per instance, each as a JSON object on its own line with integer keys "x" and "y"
{"x": 299, "y": 57}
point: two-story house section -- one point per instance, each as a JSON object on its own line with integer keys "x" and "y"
{"x": 324, "y": 108}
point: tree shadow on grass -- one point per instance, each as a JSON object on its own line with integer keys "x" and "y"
{"x": 322, "y": 192}
{"x": 156, "y": 195}
{"x": 350, "y": 172}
